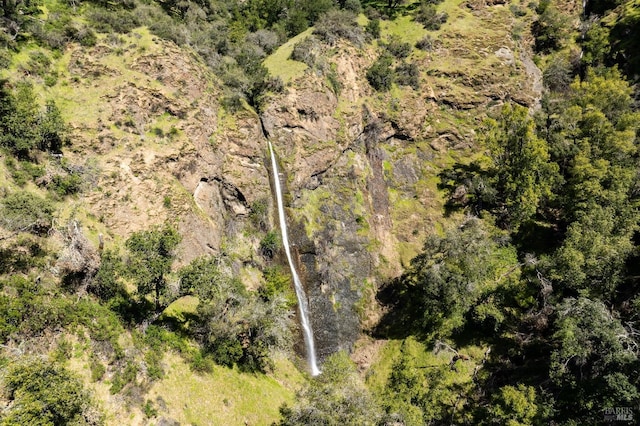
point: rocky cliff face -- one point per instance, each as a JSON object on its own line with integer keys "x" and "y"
{"x": 149, "y": 114}
{"x": 361, "y": 167}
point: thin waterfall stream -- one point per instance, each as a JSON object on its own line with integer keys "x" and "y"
{"x": 307, "y": 331}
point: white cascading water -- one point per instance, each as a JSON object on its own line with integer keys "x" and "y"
{"x": 302, "y": 299}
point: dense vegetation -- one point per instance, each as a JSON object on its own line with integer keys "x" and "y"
{"x": 544, "y": 271}
{"x": 535, "y": 273}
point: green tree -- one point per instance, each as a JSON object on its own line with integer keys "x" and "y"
{"x": 151, "y": 254}
{"x": 593, "y": 140}
{"x": 44, "y": 393}
{"x": 270, "y": 244}
{"x": 596, "y": 45}
{"x": 428, "y": 15}
{"x": 19, "y": 121}
{"x": 593, "y": 255}
{"x": 373, "y": 28}
{"x": 380, "y": 74}
{"x": 551, "y": 30}
{"x": 558, "y": 74}
{"x": 26, "y": 211}
{"x": 453, "y": 270}
{"x": 514, "y": 406}
{"x": 235, "y": 326}
{"x": 336, "y": 397}
{"x": 593, "y": 361}
{"x": 521, "y": 172}
{"x": 203, "y": 278}
{"x": 106, "y": 284}
{"x": 52, "y": 128}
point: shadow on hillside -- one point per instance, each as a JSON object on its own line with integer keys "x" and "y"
{"x": 390, "y": 9}
{"x": 402, "y": 312}
{"x": 465, "y": 187}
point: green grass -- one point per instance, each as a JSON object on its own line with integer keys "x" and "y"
{"x": 226, "y": 396}
{"x": 404, "y": 27}
{"x": 184, "y": 305}
{"x": 279, "y": 64}
{"x": 81, "y": 99}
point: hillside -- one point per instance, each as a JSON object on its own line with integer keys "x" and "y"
{"x": 460, "y": 188}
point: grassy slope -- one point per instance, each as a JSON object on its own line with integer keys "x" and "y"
{"x": 279, "y": 64}
{"x": 226, "y": 396}
{"x": 222, "y": 397}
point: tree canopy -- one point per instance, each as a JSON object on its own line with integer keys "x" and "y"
{"x": 151, "y": 256}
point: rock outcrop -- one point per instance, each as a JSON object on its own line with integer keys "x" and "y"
{"x": 361, "y": 167}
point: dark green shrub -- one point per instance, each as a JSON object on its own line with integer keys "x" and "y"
{"x": 373, "y": 28}
{"x": 333, "y": 80}
{"x": 425, "y": 43}
{"x": 25, "y": 211}
{"x": 267, "y": 40}
{"x": 259, "y": 214}
{"x": 277, "y": 282}
{"x": 168, "y": 29}
{"x": 123, "y": 377}
{"x": 153, "y": 361}
{"x": 430, "y": 18}
{"x": 314, "y": 9}
{"x": 24, "y": 171}
{"x": 296, "y": 22}
{"x": 551, "y": 30}
{"x": 42, "y": 393}
{"x": 64, "y": 185}
{"x": 274, "y": 85}
{"x": 398, "y": 48}
{"x": 270, "y": 244}
{"x": 120, "y": 21}
{"x": 51, "y": 79}
{"x": 233, "y": 102}
{"x": 106, "y": 284}
{"x": 38, "y": 63}
{"x": 62, "y": 352}
{"x": 86, "y": 37}
{"x": 52, "y": 128}
{"x": 19, "y": 130}
{"x": 558, "y": 75}
{"x": 306, "y": 51}
{"x": 21, "y": 255}
{"x": 149, "y": 410}
{"x": 227, "y": 352}
{"x": 339, "y": 24}
{"x": 5, "y": 58}
{"x": 518, "y": 10}
{"x": 352, "y": 6}
{"x": 380, "y": 75}
{"x": 201, "y": 362}
{"x": 408, "y": 74}
{"x": 97, "y": 369}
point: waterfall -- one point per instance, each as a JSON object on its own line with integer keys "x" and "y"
{"x": 302, "y": 297}
{"x": 195, "y": 195}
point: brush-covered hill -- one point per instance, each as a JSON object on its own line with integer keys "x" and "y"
{"x": 460, "y": 186}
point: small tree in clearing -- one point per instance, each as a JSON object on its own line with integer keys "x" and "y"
{"x": 151, "y": 255}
